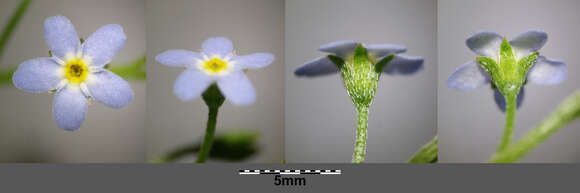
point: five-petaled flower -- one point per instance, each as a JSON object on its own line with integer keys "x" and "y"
{"x": 76, "y": 71}
{"x": 507, "y": 65}
{"x": 361, "y": 66}
{"x": 216, "y": 63}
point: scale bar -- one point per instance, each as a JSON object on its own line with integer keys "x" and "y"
{"x": 289, "y": 172}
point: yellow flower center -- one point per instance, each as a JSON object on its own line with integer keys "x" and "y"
{"x": 76, "y": 71}
{"x": 215, "y": 66}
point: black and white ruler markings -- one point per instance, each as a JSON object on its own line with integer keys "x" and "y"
{"x": 289, "y": 172}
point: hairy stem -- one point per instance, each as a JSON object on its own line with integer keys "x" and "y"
{"x": 209, "y": 134}
{"x": 566, "y": 112}
{"x": 360, "y": 146}
{"x": 509, "y": 121}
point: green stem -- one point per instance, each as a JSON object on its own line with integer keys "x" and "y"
{"x": 566, "y": 112}
{"x": 427, "y": 153}
{"x": 360, "y": 145}
{"x": 511, "y": 100}
{"x": 11, "y": 25}
{"x": 209, "y": 133}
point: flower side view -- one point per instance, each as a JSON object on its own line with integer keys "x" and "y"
{"x": 217, "y": 63}
{"x": 75, "y": 71}
{"x": 361, "y": 66}
{"x": 508, "y": 66}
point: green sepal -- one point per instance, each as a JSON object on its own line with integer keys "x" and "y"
{"x": 213, "y": 96}
{"x": 526, "y": 63}
{"x": 383, "y": 63}
{"x": 488, "y": 64}
{"x": 361, "y": 55}
{"x": 336, "y": 60}
{"x": 360, "y": 78}
{"x": 507, "y": 59}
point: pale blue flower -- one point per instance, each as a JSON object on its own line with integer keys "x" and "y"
{"x": 217, "y": 63}
{"x": 361, "y": 66}
{"x": 472, "y": 75}
{"x": 76, "y": 71}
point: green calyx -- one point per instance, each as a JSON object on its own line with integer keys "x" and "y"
{"x": 213, "y": 97}
{"x": 360, "y": 74}
{"x": 508, "y": 74}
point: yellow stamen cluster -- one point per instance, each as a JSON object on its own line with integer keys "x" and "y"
{"x": 215, "y": 66}
{"x": 76, "y": 71}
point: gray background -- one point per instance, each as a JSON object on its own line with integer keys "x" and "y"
{"x": 320, "y": 117}
{"x": 253, "y": 26}
{"x": 470, "y": 124}
{"x": 144, "y": 178}
{"x": 28, "y": 132}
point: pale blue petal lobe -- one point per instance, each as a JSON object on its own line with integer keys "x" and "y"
{"x": 60, "y": 36}
{"x": 468, "y": 76}
{"x": 104, "y": 44}
{"x": 253, "y": 61}
{"x": 531, "y": 40}
{"x": 109, "y": 89}
{"x": 177, "y": 58}
{"x": 69, "y": 108}
{"x": 340, "y": 48}
{"x": 547, "y": 72}
{"x": 485, "y": 43}
{"x": 317, "y": 67}
{"x": 404, "y": 65}
{"x": 37, "y": 75}
{"x": 382, "y": 50}
{"x": 191, "y": 84}
{"x": 237, "y": 88}
{"x": 220, "y": 46}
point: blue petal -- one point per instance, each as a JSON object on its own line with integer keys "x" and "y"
{"x": 60, "y": 36}
{"x": 382, "y": 50}
{"x": 500, "y": 99}
{"x": 485, "y": 43}
{"x": 529, "y": 41}
{"x": 317, "y": 67}
{"x": 404, "y": 65}
{"x": 468, "y": 76}
{"x": 190, "y": 84}
{"x": 69, "y": 108}
{"x": 237, "y": 88}
{"x": 547, "y": 72}
{"x": 340, "y": 48}
{"x": 37, "y": 75}
{"x": 252, "y": 61}
{"x": 220, "y": 46}
{"x": 104, "y": 44}
{"x": 175, "y": 58}
{"x": 111, "y": 90}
